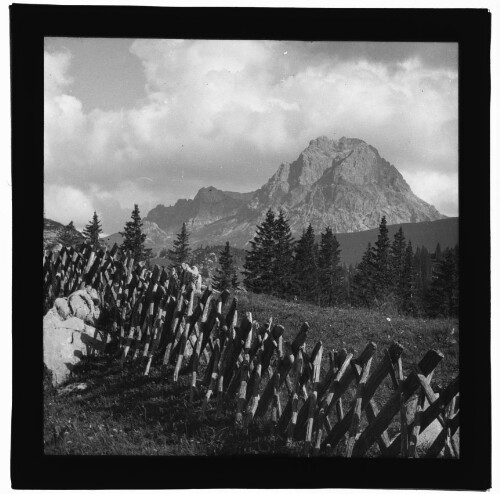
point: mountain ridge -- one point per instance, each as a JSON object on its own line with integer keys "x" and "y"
{"x": 344, "y": 184}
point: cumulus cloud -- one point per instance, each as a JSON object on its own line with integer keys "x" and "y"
{"x": 226, "y": 113}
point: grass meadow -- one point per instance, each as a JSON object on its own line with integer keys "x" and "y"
{"x": 122, "y": 412}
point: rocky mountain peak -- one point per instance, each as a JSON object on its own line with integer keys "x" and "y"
{"x": 210, "y": 195}
{"x": 344, "y": 184}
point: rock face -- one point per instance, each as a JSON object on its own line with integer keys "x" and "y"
{"x": 209, "y": 205}
{"x": 68, "y": 334}
{"x": 51, "y": 231}
{"x": 344, "y": 184}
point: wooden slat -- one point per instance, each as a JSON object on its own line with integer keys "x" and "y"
{"x": 408, "y": 387}
{"x": 356, "y": 415}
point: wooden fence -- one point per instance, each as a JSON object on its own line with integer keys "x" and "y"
{"x": 236, "y": 365}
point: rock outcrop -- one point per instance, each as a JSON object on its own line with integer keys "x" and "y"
{"x": 343, "y": 184}
{"x": 69, "y": 333}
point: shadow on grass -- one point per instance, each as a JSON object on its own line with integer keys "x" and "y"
{"x": 151, "y": 415}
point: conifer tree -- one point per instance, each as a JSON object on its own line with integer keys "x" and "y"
{"x": 442, "y": 295}
{"x": 397, "y": 264}
{"x": 283, "y": 256}
{"x": 134, "y": 239}
{"x": 330, "y": 272}
{"x": 382, "y": 275}
{"x": 68, "y": 237}
{"x": 406, "y": 291}
{"x": 437, "y": 253}
{"x": 363, "y": 284}
{"x": 92, "y": 232}
{"x": 225, "y": 274}
{"x": 423, "y": 269}
{"x": 181, "y": 251}
{"x": 259, "y": 260}
{"x": 306, "y": 266}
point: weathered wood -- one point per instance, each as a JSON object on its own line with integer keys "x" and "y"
{"x": 183, "y": 340}
{"x": 415, "y": 430}
{"x": 294, "y": 400}
{"x": 283, "y": 368}
{"x": 244, "y": 376}
{"x": 241, "y": 337}
{"x": 300, "y": 429}
{"x": 408, "y": 387}
{"x": 313, "y": 398}
{"x": 339, "y": 386}
{"x": 443, "y": 436}
{"x": 356, "y": 415}
{"x": 275, "y": 407}
{"x": 372, "y": 411}
{"x": 306, "y": 374}
{"x": 213, "y": 380}
{"x": 402, "y": 412}
{"x": 254, "y": 390}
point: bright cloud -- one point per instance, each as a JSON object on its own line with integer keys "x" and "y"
{"x": 228, "y": 113}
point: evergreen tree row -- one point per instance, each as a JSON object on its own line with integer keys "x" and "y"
{"x": 279, "y": 266}
{"x": 390, "y": 274}
{"x": 416, "y": 283}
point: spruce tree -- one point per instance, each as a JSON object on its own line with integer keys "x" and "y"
{"x": 442, "y": 295}
{"x": 363, "y": 285}
{"x": 259, "y": 260}
{"x": 225, "y": 274}
{"x": 134, "y": 239}
{"x": 330, "y": 272}
{"x": 181, "y": 251}
{"x": 382, "y": 275}
{"x": 92, "y": 232}
{"x": 423, "y": 273}
{"x": 306, "y": 267}
{"x": 397, "y": 264}
{"x": 68, "y": 236}
{"x": 283, "y": 257}
{"x": 406, "y": 293}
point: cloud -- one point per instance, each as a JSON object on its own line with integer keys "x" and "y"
{"x": 440, "y": 189}
{"x": 67, "y": 204}
{"x": 227, "y": 113}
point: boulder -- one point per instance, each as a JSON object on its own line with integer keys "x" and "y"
{"x": 84, "y": 304}
{"x": 68, "y": 333}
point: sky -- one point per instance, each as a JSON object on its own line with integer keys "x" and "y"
{"x": 152, "y": 121}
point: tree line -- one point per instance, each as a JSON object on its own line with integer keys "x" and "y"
{"x": 390, "y": 274}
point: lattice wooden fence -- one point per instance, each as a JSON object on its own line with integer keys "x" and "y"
{"x": 235, "y": 365}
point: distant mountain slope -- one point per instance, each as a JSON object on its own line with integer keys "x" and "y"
{"x": 210, "y": 204}
{"x": 344, "y": 184}
{"x": 51, "y": 231}
{"x": 427, "y": 234}
{"x": 353, "y": 245}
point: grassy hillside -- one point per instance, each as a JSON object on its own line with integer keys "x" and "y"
{"x": 122, "y": 412}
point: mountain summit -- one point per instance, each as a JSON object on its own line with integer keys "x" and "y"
{"x": 344, "y": 184}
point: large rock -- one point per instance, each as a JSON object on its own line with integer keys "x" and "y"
{"x": 68, "y": 336}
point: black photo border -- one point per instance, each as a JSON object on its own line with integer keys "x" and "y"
{"x": 470, "y": 28}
